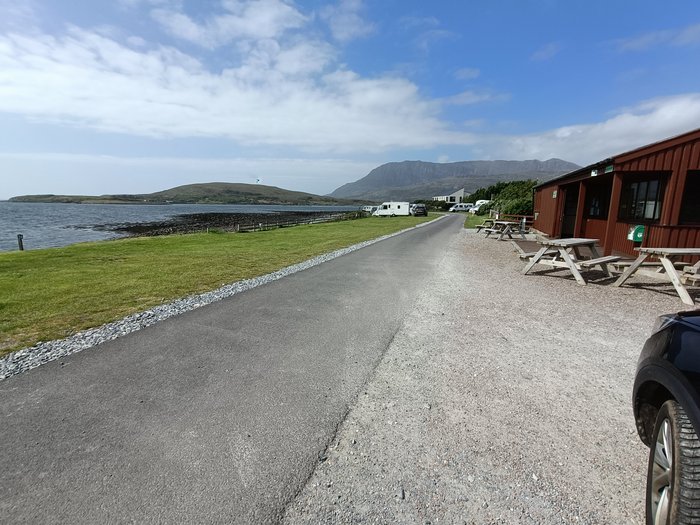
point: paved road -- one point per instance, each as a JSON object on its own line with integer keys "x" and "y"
{"x": 217, "y": 415}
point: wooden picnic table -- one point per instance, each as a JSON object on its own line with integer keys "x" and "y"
{"x": 665, "y": 256}
{"x": 563, "y": 257}
{"x": 503, "y": 228}
{"x": 488, "y": 223}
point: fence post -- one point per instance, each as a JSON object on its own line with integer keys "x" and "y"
{"x": 20, "y": 242}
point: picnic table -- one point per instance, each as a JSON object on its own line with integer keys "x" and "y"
{"x": 563, "y": 258}
{"x": 666, "y": 256}
{"x": 488, "y": 223}
{"x": 503, "y": 228}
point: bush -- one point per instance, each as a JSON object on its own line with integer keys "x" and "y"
{"x": 510, "y": 198}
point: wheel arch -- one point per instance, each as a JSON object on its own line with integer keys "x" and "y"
{"x": 655, "y": 384}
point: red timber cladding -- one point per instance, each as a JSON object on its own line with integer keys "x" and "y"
{"x": 546, "y": 209}
{"x": 594, "y": 229}
{"x": 675, "y": 157}
{"x": 674, "y": 237}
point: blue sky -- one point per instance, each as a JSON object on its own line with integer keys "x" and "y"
{"x": 131, "y": 96}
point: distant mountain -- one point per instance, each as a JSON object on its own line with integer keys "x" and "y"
{"x": 208, "y": 193}
{"x": 411, "y": 180}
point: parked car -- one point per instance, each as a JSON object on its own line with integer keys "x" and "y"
{"x": 666, "y": 402}
{"x": 478, "y": 204}
{"x": 419, "y": 209}
{"x": 463, "y": 206}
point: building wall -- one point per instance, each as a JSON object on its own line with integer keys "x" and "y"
{"x": 545, "y": 208}
{"x": 594, "y": 228}
{"x": 676, "y": 157}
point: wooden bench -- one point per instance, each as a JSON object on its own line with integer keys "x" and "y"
{"x": 587, "y": 263}
{"x": 527, "y": 255}
{"x": 487, "y": 224}
{"x": 691, "y": 278}
{"x": 548, "y": 253}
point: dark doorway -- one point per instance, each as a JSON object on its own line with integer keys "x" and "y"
{"x": 568, "y": 220}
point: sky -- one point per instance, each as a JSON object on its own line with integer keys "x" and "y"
{"x": 135, "y": 96}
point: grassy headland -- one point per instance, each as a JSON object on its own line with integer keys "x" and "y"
{"x": 53, "y": 293}
{"x": 207, "y": 193}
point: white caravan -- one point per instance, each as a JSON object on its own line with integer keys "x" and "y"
{"x": 392, "y": 209}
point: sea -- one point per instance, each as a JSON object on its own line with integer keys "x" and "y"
{"x": 48, "y": 225}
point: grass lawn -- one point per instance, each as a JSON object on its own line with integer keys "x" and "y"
{"x": 472, "y": 221}
{"x": 53, "y": 293}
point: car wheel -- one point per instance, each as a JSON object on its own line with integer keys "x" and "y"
{"x": 673, "y": 475}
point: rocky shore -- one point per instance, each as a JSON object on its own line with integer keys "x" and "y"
{"x": 199, "y": 222}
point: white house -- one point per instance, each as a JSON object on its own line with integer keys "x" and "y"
{"x": 455, "y": 197}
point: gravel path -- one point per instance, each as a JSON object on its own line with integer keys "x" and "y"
{"x": 503, "y": 399}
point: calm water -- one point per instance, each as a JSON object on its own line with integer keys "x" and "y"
{"x": 49, "y": 225}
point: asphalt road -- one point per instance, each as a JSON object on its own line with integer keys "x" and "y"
{"x": 217, "y": 415}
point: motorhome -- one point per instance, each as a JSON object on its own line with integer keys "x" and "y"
{"x": 478, "y": 204}
{"x": 391, "y": 209}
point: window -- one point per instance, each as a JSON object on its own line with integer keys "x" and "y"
{"x": 598, "y": 199}
{"x": 641, "y": 199}
{"x": 690, "y": 206}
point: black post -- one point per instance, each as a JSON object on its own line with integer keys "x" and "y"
{"x": 19, "y": 241}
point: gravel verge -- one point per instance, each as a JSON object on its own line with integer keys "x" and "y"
{"x": 46, "y": 351}
{"x": 503, "y": 399}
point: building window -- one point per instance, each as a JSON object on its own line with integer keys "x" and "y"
{"x": 690, "y": 205}
{"x": 598, "y": 199}
{"x": 641, "y": 199}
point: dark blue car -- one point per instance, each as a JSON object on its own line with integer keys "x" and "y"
{"x": 667, "y": 410}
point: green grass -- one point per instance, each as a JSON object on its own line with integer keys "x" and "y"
{"x": 53, "y": 293}
{"x": 472, "y": 221}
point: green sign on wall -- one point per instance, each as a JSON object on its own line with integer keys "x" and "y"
{"x": 636, "y": 233}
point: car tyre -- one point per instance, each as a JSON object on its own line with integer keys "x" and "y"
{"x": 673, "y": 474}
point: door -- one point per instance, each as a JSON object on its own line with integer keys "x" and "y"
{"x": 568, "y": 219}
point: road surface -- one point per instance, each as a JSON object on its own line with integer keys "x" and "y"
{"x": 217, "y": 415}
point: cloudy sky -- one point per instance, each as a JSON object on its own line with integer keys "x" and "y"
{"x": 131, "y": 96}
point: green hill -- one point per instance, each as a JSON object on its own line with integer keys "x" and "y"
{"x": 208, "y": 193}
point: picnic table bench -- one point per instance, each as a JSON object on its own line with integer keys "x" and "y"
{"x": 488, "y": 223}
{"x": 688, "y": 273}
{"x": 503, "y": 228}
{"x": 574, "y": 262}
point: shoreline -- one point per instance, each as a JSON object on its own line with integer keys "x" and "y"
{"x": 223, "y": 221}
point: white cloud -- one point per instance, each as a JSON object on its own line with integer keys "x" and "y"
{"x": 243, "y": 19}
{"x": 345, "y": 20}
{"x": 18, "y": 14}
{"x": 425, "y": 40}
{"x": 645, "y": 123}
{"x": 412, "y": 22}
{"x": 281, "y": 94}
{"x": 467, "y": 73}
{"x": 684, "y": 36}
{"x": 467, "y": 98}
{"x": 546, "y": 52}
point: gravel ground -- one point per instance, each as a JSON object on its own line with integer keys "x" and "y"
{"x": 503, "y": 399}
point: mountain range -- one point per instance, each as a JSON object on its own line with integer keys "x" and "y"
{"x": 404, "y": 181}
{"x": 413, "y": 180}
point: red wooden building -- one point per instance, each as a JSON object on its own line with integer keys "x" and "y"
{"x": 656, "y": 186}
